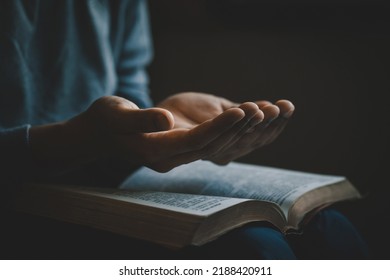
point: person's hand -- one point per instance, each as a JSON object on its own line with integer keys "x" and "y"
{"x": 262, "y": 124}
{"x": 186, "y": 128}
{"x": 115, "y": 127}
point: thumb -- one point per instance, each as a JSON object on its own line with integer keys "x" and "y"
{"x": 123, "y": 116}
{"x": 146, "y": 120}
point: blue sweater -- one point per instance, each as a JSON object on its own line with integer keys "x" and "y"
{"x": 57, "y": 57}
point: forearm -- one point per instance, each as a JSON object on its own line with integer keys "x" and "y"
{"x": 62, "y": 146}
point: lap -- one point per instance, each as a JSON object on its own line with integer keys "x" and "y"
{"x": 328, "y": 236}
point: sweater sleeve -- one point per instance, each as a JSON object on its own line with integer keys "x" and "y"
{"x": 135, "y": 54}
{"x": 132, "y": 52}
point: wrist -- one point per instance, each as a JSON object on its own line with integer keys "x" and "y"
{"x": 58, "y": 146}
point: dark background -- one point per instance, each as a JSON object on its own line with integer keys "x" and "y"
{"x": 331, "y": 58}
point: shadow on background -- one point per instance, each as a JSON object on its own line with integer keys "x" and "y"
{"x": 330, "y": 58}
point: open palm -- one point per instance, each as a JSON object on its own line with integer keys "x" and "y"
{"x": 262, "y": 123}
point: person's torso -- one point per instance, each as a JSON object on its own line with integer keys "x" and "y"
{"x": 57, "y": 57}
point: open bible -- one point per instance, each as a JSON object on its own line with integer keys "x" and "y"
{"x": 192, "y": 204}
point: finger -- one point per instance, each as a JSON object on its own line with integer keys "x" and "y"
{"x": 275, "y": 129}
{"x": 251, "y": 141}
{"x": 119, "y": 115}
{"x": 253, "y": 116}
{"x": 271, "y": 112}
{"x": 265, "y": 133}
{"x": 128, "y": 120}
{"x": 262, "y": 134}
{"x": 178, "y": 141}
{"x": 234, "y": 152}
{"x": 263, "y": 103}
{"x": 202, "y": 151}
{"x": 286, "y": 107}
{"x": 247, "y": 141}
